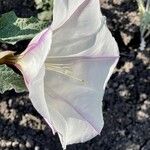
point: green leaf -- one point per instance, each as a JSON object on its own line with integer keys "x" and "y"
{"x": 10, "y": 80}
{"x": 14, "y": 29}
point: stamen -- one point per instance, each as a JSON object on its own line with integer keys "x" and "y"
{"x": 63, "y": 69}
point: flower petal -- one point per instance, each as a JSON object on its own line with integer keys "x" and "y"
{"x": 33, "y": 58}
{"x": 85, "y": 31}
{"x": 37, "y": 96}
{"x": 72, "y": 108}
{"x": 76, "y": 106}
{"x": 80, "y": 62}
{"x": 63, "y": 10}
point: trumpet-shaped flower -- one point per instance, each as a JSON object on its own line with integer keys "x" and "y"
{"x": 66, "y": 68}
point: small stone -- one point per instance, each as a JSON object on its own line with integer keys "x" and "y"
{"x": 37, "y": 148}
{"x": 143, "y": 96}
{"x": 126, "y": 38}
{"x": 29, "y": 143}
{"x": 3, "y": 143}
{"x": 124, "y": 93}
{"x": 128, "y": 66}
{"x": 45, "y": 15}
{"x": 22, "y": 147}
{"x": 10, "y": 103}
{"x": 142, "y": 115}
{"x": 8, "y": 144}
{"x": 15, "y": 144}
{"x": 133, "y": 147}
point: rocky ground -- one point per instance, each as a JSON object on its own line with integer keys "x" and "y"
{"x": 126, "y": 104}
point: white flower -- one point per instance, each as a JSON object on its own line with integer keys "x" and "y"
{"x": 66, "y": 68}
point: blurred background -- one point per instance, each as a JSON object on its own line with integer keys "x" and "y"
{"x": 126, "y": 101}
